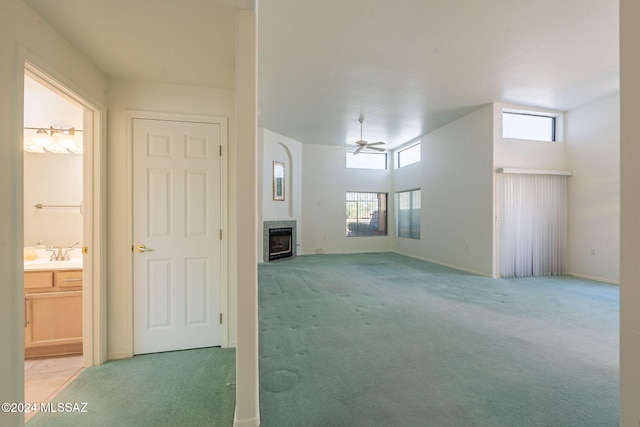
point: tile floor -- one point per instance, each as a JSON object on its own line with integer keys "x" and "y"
{"x": 45, "y": 378}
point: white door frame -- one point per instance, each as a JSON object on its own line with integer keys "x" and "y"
{"x": 130, "y": 116}
{"x": 94, "y": 219}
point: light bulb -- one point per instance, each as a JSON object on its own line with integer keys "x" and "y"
{"x": 67, "y": 141}
{"x": 41, "y": 139}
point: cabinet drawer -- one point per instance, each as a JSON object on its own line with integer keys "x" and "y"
{"x": 38, "y": 279}
{"x": 68, "y": 279}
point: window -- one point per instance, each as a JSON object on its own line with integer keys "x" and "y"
{"x": 366, "y": 161}
{"x": 409, "y": 214}
{"x": 408, "y": 155}
{"x": 522, "y": 125}
{"x": 366, "y": 214}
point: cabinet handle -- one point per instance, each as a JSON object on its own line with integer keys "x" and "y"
{"x": 26, "y": 311}
{"x": 73, "y": 280}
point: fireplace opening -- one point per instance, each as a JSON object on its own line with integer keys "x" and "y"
{"x": 280, "y": 243}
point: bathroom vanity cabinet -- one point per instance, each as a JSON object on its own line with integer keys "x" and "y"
{"x": 53, "y": 312}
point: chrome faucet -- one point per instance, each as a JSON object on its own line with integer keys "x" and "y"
{"x": 56, "y": 253}
{"x": 66, "y": 256}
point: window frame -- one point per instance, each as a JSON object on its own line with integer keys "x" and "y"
{"x": 414, "y": 218}
{"x": 366, "y": 155}
{"x": 409, "y": 146}
{"x": 363, "y": 225}
{"x": 555, "y": 118}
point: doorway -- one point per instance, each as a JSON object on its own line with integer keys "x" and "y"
{"x": 62, "y": 231}
{"x": 53, "y": 218}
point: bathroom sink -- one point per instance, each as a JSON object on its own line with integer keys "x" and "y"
{"x": 43, "y": 263}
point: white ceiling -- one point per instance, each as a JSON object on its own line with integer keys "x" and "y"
{"x": 409, "y": 66}
{"x": 189, "y": 42}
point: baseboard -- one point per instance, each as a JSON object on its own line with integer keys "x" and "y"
{"x": 444, "y": 264}
{"x": 119, "y": 355}
{"x": 342, "y": 253}
{"x": 595, "y": 279}
{"x": 248, "y": 422}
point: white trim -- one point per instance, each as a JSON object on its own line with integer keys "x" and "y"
{"x": 131, "y": 115}
{"x": 455, "y": 267}
{"x": 535, "y": 171}
{"x": 593, "y": 278}
{"x": 343, "y": 252}
{"x": 532, "y": 112}
{"x": 249, "y": 422}
{"x": 94, "y": 299}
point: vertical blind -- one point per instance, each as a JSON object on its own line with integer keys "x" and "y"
{"x": 409, "y": 214}
{"x": 532, "y": 224}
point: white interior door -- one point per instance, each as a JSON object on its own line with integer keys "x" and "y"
{"x": 176, "y": 231}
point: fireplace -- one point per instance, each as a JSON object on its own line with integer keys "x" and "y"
{"x": 280, "y": 243}
{"x": 279, "y": 239}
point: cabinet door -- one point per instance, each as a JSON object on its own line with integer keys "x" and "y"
{"x": 54, "y": 319}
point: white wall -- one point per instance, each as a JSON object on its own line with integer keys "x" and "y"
{"x": 275, "y": 147}
{"x": 588, "y": 146}
{"x": 593, "y": 154}
{"x": 325, "y": 181}
{"x": 128, "y": 95}
{"x": 520, "y": 153}
{"x": 247, "y": 411}
{"x": 23, "y": 32}
{"x": 51, "y": 178}
{"x": 630, "y": 209}
{"x": 456, "y": 181}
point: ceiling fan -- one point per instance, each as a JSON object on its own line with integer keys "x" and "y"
{"x": 362, "y": 144}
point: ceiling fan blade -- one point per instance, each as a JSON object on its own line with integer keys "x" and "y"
{"x": 376, "y": 143}
{"x": 375, "y": 148}
{"x": 358, "y": 150}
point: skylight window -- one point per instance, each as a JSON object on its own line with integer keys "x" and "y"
{"x": 524, "y": 125}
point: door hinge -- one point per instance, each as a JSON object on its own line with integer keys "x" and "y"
{"x": 221, "y": 234}
{"x": 221, "y": 318}
{"x": 220, "y": 146}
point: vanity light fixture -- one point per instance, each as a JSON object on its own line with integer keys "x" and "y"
{"x": 59, "y": 139}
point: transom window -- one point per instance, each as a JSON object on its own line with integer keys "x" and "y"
{"x": 524, "y": 125}
{"x": 366, "y": 214}
{"x": 366, "y": 160}
{"x": 408, "y": 155}
{"x": 409, "y": 214}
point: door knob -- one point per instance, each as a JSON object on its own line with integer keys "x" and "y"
{"x": 143, "y": 248}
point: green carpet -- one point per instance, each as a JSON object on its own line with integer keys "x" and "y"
{"x": 182, "y": 388}
{"x": 387, "y": 340}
